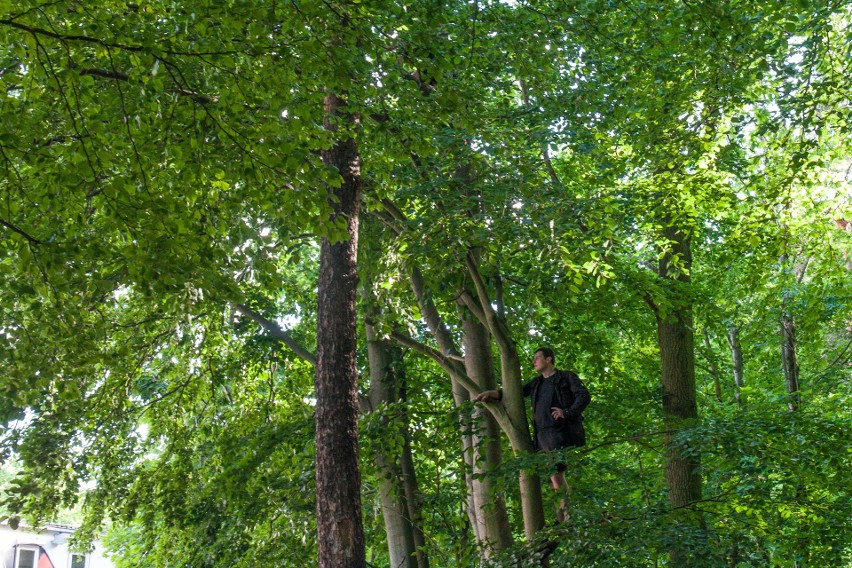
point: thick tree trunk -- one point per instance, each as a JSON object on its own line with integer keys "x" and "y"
{"x": 736, "y": 362}
{"x": 679, "y": 404}
{"x": 340, "y": 534}
{"x": 396, "y": 508}
{"x": 677, "y": 356}
{"x": 491, "y": 516}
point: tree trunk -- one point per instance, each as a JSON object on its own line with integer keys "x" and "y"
{"x": 789, "y": 355}
{"x": 510, "y": 414}
{"x": 789, "y": 359}
{"x": 677, "y": 356}
{"x": 491, "y": 516}
{"x": 412, "y": 499}
{"x": 340, "y": 534}
{"x": 737, "y": 362}
{"x": 460, "y": 395}
{"x": 714, "y": 368}
{"x": 396, "y": 508}
{"x": 511, "y": 411}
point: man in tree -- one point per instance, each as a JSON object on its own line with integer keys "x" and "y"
{"x": 558, "y": 399}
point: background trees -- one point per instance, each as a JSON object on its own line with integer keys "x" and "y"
{"x": 631, "y": 184}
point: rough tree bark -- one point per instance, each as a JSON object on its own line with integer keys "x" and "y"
{"x": 340, "y": 534}
{"x": 677, "y": 356}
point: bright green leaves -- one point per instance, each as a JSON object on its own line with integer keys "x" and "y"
{"x": 160, "y": 161}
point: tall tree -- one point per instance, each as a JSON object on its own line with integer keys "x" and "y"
{"x": 340, "y": 534}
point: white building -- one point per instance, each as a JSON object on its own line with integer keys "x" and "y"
{"x": 45, "y": 547}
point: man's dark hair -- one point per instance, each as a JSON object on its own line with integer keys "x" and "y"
{"x": 546, "y": 352}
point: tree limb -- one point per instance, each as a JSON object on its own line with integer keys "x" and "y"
{"x": 446, "y": 362}
{"x": 275, "y": 331}
{"x": 106, "y": 74}
{"x": 470, "y": 302}
{"x": 494, "y": 324}
{"x": 35, "y": 31}
{"x": 21, "y": 232}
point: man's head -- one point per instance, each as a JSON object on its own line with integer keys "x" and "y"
{"x": 543, "y": 359}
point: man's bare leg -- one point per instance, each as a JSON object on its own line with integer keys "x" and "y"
{"x": 557, "y": 480}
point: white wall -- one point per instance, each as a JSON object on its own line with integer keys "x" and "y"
{"x": 53, "y": 539}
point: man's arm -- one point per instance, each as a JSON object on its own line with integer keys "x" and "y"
{"x": 489, "y": 396}
{"x": 581, "y": 396}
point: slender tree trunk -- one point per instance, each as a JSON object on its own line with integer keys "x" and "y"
{"x": 790, "y": 364}
{"x": 714, "y": 368}
{"x": 491, "y": 513}
{"x": 677, "y": 355}
{"x": 396, "y": 510}
{"x": 789, "y": 355}
{"x": 737, "y": 362}
{"x": 789, "y": 359}
{"x": 340, "y": 534}
{"x": 412, "y": 499}
{"x": 511, "y": 411}
{"x": 460, "y": 395}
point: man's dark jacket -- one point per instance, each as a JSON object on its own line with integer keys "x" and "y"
{"x": 572, "y": 397}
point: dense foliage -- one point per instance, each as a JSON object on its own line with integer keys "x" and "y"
{"x": 162, "y": 204}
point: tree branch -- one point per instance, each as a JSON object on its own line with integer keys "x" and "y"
{"x": 492, "y": 321}
{"x": 544, "y": 153}
{"x": 275, "y": 331}
{"x": 470, "y": 302}
{"x": 106, "y": 74}
{"x": 34, "y": 31}
{"x": 447, "y": 362}
{"x": 30, "y": 238}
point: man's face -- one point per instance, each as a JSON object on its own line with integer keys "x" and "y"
{"x": 539, "y": 362}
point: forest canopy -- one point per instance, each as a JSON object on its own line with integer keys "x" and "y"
{"x": 258, "y": 258}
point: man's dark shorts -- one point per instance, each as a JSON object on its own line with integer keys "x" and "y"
{"x": 568, "y": 436}
{"x": 552, "y": 439}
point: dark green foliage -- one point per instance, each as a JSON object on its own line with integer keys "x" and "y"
{"x": 160, "y": 163}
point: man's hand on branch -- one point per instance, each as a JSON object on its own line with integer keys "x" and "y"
{"x": 488, "y": 396}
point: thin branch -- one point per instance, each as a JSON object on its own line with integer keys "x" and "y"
{"x": 839, "y": 359}
{"x": 35, "y": 32}
{"x": 275, "y": 330}
{"x": 499, "y": 295}
{"x": 447, "y": 363}
{"x": 21, "y": 232}
{"x": 393, "y": 210}
{"x": 544, "y": 153}
{"x": 127, "y": 122}
{"x": 106, "y": 74}
{"x": 634, "y": 438}
{"x": 388, "y": 221}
